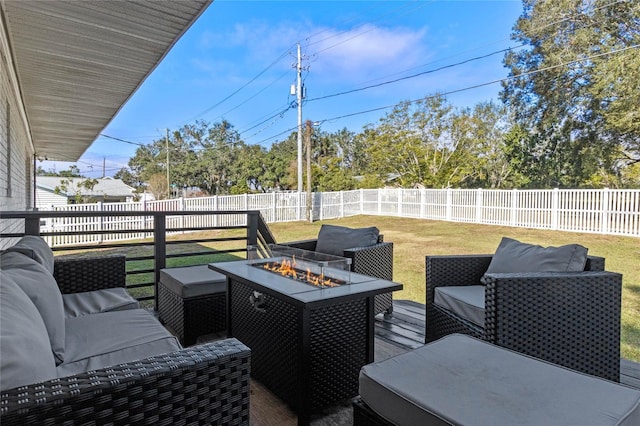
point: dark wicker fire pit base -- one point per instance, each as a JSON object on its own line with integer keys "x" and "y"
{"x": 307, "y": 345}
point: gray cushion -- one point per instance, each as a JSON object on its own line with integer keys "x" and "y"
{"x": 93, "y": 302}
{"x": 102, "y": 340}
{"x": 466, "y": 301}
{"x": 25, "y": 351}
{"x": 336, "y": 239}
{"x": 192, "y": 281}
{"x": 514, "y": 256}
{"x": 465, "y": 381}
{"x": 42, "y": 289}
{"x": 37, "y": 249}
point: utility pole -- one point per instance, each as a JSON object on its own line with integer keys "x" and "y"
{"x": 308, "y": 148}
{"x": 104, "y": 165}
{"x": 299, "y": 99}
{"x": 166, "y": 139}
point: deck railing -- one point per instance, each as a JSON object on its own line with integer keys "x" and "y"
{"x": 80, "y": 229}
{"x": 603, "y": 211}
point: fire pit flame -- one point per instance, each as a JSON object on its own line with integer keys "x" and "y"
{"x": 288, "y": 268}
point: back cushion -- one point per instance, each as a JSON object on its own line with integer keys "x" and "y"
{"x": 37, "y": 249}
{"x": 336, "y": 239}
{"x": 25, "y": 351}
{"x": 40, "y": 286}
{"x": 514, "y": 256}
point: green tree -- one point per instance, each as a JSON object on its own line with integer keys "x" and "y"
{"x": 575, "y": 98}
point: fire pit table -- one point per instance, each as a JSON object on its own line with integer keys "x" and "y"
{"x": 308, "y": 342}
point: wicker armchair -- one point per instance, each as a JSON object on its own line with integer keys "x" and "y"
{"x": 571, "y": 319}
{"x": 375, "y": 261}
{"x": 206, "y": 384}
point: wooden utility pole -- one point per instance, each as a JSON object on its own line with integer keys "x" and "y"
{"x": 166, "y": 140}
{"x": 308, "y": 148}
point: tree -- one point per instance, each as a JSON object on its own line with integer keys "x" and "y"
{"x": 576, "y": 98}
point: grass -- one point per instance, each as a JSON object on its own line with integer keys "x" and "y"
{"x": 415, "y": 238}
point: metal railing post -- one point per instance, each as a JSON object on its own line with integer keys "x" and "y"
{"x": 159, "y": 250}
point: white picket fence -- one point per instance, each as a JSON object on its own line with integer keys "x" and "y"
{"x": 603, "y": 211}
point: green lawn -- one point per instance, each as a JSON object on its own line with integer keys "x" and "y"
{"x": 415, "y": 238}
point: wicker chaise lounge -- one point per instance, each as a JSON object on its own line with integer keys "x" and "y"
{"x": 567, "y": 318}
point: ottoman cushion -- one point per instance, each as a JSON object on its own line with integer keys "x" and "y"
{"x": 193, "y": 281}
{"x": 461, "y": 380}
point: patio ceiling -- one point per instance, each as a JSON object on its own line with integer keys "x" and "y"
{"x": 78, "y": 62}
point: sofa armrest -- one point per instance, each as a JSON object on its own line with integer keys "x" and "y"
{"x": 556, "y": 316}
{"x": 206, "y": 384}
{"x": 302, "y": 244}
{"x": 375, "y": 261}
{"x": 79, "y": 274}
{"x": 454, "y": 270}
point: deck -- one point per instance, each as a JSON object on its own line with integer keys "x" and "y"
{"x": 403, "y": 331}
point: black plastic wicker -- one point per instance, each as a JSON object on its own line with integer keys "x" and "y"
{"x": 192, "y": 317}
{"x": 570, "y": 319}
{"x": 365, "y": 416}
{"x": 374, "y": 261}
{"x": 78, "y": 274}
{"x": 202, "y": 385}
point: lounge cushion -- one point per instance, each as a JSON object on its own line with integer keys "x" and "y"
{"x": 36, "y": 248}
{"x": 93, "y": 302}
{"x": 335, "y": 240}
{"x": 461, "y": 380}
{"x": 466, "y": 301}
{"x": 515, "y": 256}
{"x": 25, "y": 351}
{"x": 110, "y": 338}
{"x": 38, "y": 283}
{"x": 193, "y": 281}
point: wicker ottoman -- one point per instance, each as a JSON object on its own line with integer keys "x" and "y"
{"x": 460, "y": 380}
{"x": 192, "y": 301}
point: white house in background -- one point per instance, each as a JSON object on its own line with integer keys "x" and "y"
{"x": 54, "y": 190}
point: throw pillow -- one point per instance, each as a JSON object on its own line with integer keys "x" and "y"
{"x": 40, "y": 286}
{"x": 515, "y": 256}
{"x": 25, "y": 351}
{"x": 335, "y": 240}
{"x": 36, "y": 248}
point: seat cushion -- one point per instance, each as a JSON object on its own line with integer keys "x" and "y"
{"x": 93, "y": 302}
{"x": 36, "y": 248}
{"x": 192, "y": 281}
{"x": 465, "y": 301}
{"x": 38, "y": 283}
{"x": 110, "y": 338}
{"x": 465, "y": 381}
{"x": 336, "y": 239}
{"x": 514, "y": 256}
{"x": 25, "y": 350}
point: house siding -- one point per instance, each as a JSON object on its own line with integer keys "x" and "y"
{"x": 16, "y": 150}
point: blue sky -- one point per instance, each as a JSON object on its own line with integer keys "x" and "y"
{"x": 237, "y": 63}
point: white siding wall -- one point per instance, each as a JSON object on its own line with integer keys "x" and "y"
{"x": 16, "y": 150}
{"x": 45, "y": 199}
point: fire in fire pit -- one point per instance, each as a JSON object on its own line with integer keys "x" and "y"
{"x": 289, "y": 267}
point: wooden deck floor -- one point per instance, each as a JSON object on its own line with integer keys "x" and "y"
{"x": 403, "y": 331}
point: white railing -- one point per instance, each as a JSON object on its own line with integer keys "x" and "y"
{"x": 603, "y": 211}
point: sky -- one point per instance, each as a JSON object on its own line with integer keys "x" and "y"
{"x": 237, "y": 62}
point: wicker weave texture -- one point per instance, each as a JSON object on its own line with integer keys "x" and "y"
{"x": 192, "y": 317}
{"x": 570, "y": 319}
{"x": 203, "y": 385}
{"x": 80, "y": 274}
{"x": 308, "y": 357}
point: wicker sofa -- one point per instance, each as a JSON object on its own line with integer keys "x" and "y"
{"x": 115, "y": 363}
{"x": 366, "y": 248}
{"x": 567, "y": 318}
